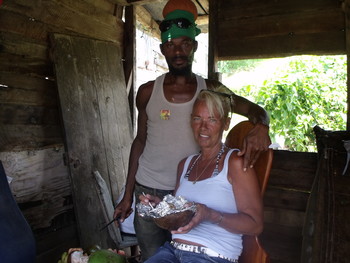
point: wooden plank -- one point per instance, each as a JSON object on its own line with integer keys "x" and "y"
{"x": 283, "y": 244}
{"x": 95, "y": 8}
{"x": 58, "y": 15}
{"x": 51, "y": 245}
{"x": 293, "y": 171}
{"x": 93, "y": 100}
{"x": 279, "y": 28}
{"x": 346, "y": 10}
{"x": 27, "y": 90}
{"x": 25, "y": 65}
{"x": 32, "y": 115}
{"x": 23, "y": 137}
{"x": 303, "y": 23}
{"x": 254, "y": 8}
{"x": 331, "y": 43}
{"x": 284, "y": 217}
{"x": 120, "y": 2}
{"x": 19, "y": 45}
{"x": 92, "y": 10}
{"x": 282, "y": 198}
{"x": 39, "y": 178}
{"x": 213, "y": 56}
{"x": 20, "y": 24}
{"x": 144, "y": 17}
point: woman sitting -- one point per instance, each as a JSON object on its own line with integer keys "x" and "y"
{"x": 227, "y": 198}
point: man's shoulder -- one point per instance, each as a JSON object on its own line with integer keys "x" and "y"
{"x": 148, "y": 84}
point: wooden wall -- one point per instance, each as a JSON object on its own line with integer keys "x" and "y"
{"x": 253, "y": 29}
{"x": 31, "y": 134}
{"x": 286, "y": 197}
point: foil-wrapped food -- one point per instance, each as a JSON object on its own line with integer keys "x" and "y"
{"x": 171, "y": 213}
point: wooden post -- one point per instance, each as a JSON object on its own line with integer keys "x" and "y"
{"x": 346, "y": 9}
{"x": 212, "y": 52}
{"x": 129, "y": 60}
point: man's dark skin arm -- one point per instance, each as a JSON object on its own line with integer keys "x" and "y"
{"x": 257, "y": 140}
{"x": 123, "y": 209}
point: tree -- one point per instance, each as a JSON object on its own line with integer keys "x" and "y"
{"x": 306, "y": 91}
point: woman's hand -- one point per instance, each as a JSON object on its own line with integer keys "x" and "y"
{"x": 201, "y": 215}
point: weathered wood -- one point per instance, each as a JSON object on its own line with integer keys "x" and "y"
{"x": 23, "y": 89}
{"x": 331, "y": 43}
{"x": 62, "y": 15}
{"x": 147, "y": 21}
{"x": 294, "y": 171}
{"x": 51, "y": 245}
{"x": 315, "y": 21}
{"x": 20, "y": 45}
{"x": 27, "y": 137}
{"x": 253, "y": 8}
{"x": 25, "y": 65}
{"x": 286, "y": 199}
{"x": 39, "y": 178}
{"x": 284, "y": 217}
{"x": 97, "y": 124}
{"x": 130, "y": 58}
{"x": 282, "y": 243}
{"x": 346, "y": 10}
{"x": 278, "y": 28}
{"x": 22, "y": 25}
{"x": 213, "y": 47}
{"x": 32, "y": 115}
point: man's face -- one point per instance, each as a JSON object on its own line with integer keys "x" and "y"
{"x": 179, "y": 54}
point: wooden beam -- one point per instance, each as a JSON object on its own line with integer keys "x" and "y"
{"x": 212, "y": 55}
{"x": 129, "y": 61}
{"x": 120, "y": 2}
{"x": 145, "y": 18}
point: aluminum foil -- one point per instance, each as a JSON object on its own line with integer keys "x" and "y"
{"x": 167, "y": 206}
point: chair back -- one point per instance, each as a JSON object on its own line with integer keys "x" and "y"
{"x": 252, "y": 250}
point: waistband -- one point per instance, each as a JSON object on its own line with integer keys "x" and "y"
{"x": 154, "y": 190}
{"x": 200, "y": 250}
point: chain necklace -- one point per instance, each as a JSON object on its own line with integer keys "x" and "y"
{"x": 216, "y": 169}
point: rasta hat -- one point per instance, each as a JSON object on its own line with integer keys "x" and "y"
{"x": 179, "y": 20}
{"x": 185, "y": 5}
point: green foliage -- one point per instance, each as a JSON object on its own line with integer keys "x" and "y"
{"x": 306, "y": 91}
{"x": 232, "y": 66}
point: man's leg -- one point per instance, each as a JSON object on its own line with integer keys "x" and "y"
{"x": 149, "y": 236}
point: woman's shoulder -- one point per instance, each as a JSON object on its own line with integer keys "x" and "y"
{"x": 235, "y": 160}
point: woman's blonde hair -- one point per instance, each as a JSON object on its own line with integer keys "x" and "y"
{"x": 216, "y": 101}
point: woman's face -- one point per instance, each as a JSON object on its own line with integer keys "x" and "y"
{"x": 207, "y": 129}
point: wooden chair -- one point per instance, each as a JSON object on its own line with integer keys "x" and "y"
{"x": 252, "y": 250}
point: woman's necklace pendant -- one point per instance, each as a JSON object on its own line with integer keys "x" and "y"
{"x": 215, "y": 172}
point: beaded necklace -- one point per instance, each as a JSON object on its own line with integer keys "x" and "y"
{"x": 216, "y": 169}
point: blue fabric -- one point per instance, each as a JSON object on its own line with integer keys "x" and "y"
{"x": 17, "y": 244}
{"x": 168, "y": 254}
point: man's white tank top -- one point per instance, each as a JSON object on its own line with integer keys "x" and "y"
{"x": 169, "y": 138}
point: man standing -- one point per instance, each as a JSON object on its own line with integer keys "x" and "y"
{"x": 164, "y": 135}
